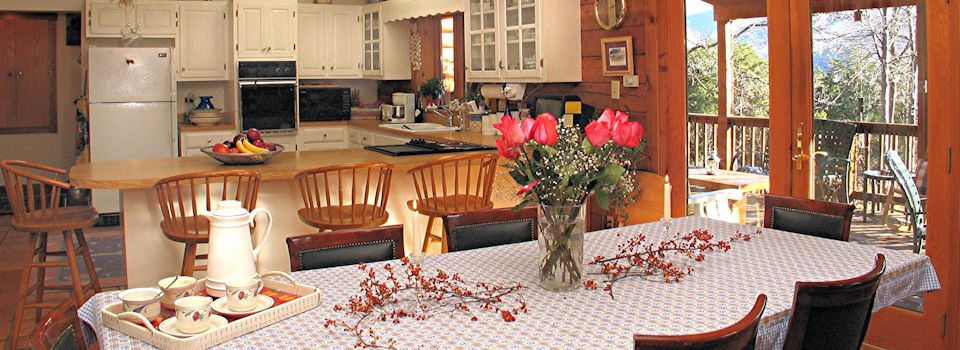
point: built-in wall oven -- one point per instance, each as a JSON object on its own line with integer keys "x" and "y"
{"x": 268, "y": 96}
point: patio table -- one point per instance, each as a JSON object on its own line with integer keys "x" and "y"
{"x": 720, "y": 291}
{"x": 729, "y": 179}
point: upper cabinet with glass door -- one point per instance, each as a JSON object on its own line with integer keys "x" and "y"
{"x": 386, "y": 45}
{"x": 523, "y": 41}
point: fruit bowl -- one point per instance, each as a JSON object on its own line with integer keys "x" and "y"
{"x": 240, "y": 158}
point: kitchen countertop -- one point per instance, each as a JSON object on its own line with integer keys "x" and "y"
{"x": 143, "y": 173}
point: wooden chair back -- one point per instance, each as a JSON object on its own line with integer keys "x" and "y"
{"x": 183, "y": 197}
{"x": 62, "y": 329}
{"x": 492, "y": 227}
{"x": 806, "y": 216}
{"x": 33, "y": 190}
{"x": 455, "y": 185}
{"x": 345, "y": 247}
{"x": 348, "y": 194}
{"x": 833, "y": 314}
{"x": 738, "y": 336}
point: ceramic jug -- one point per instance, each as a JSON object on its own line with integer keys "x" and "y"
{"x": 205, "y": 103}
{"x": 231, "y": 255}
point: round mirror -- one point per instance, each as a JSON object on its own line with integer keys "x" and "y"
{"x": 610, "y": 13}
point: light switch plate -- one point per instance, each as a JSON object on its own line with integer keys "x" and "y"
{"x": 615, "y": 90}
{"x": 631, "y": 81}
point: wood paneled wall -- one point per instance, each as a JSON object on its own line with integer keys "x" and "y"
{"x": 650, "y": 63}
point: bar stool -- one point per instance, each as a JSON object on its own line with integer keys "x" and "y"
{"x": 452, "y": 186}
{"x": 345, "y": 196}
{"x": 34, "y": 192}
{"x": 179, "y": 196}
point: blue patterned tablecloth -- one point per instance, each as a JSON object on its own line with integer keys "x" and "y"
{"x": 720, "y": 291}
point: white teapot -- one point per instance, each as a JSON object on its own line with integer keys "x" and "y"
{"x": 231, "y": 255}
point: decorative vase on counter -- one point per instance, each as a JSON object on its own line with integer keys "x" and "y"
{"x": 205, "y": 103}
{"x": 560, "y": 238}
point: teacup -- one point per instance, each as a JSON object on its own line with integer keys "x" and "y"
{"x": 193, "y": 314}
{"x": 144, "y": 301}
{"x": 182, "y": 287}
{"x": 242, "y": 294}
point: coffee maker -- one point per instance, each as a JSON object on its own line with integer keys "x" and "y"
{"x": 403, "y": 109}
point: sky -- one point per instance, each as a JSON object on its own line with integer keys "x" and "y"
{"x": 697, "y": 6}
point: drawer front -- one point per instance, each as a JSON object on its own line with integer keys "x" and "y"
{"x": 203, "y": 139}
{"x": 190, "y": 152}
{"x": 320, "y": 146}
{"x": 313, "y": 135}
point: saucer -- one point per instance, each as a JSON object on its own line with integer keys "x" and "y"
{"x": 221, "y": 306}
{"x": 169, "y": 326}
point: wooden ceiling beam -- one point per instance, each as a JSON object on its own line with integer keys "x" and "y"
{"x": 727, "y": 10}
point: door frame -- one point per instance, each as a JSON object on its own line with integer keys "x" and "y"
{"x": 791, "y": 96}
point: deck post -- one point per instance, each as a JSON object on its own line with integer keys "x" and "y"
{"x": 725, "y": 76}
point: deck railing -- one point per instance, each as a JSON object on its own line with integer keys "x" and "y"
{"x": 751, "y": 142}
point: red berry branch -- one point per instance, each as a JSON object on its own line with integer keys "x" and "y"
{"x": 409, "y": 293}
{"x": 637, "y": 258}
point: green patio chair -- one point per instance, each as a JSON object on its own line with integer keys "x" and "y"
{"x": 915, "y": 208}
{"x": 833, "y": 140}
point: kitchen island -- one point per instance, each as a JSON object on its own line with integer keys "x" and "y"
{"x": 150, "y": 256}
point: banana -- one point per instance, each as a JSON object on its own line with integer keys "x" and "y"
{"x": 253, "y": 148}
{"x": 242, "y": 147}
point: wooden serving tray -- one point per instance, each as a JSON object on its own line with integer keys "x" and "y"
{"x": 137, "y": 326}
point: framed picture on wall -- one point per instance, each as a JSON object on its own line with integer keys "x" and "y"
{"x": 617, "y": 55}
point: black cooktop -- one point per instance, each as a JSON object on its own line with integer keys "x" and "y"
{"x": 421, "y": 146}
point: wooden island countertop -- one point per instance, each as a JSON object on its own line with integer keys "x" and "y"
{"x": 144, "y": 173}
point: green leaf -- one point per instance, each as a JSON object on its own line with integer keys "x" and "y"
{"x": 519, "y": 177}
{"x": 611, "y": 174}
{"x": 603, "y": 199}
{"x": 587, "y": 146}
{"x": 523, "y": 204}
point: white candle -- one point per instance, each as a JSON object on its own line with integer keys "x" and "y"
{"x": 666, "y": 197}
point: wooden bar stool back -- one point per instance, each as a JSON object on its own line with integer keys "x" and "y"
{"x": 183, "y": 197}
{"x": 35, "y": 192}
{"x": 452, "y": 186}
{"x": 345, "y": 196}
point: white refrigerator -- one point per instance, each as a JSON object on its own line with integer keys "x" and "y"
{"x": 132, "y": 97}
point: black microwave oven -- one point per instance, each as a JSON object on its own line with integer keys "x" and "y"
{"x": 324, "y": 103}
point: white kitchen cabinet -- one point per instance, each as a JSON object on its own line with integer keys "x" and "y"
{"x": 202, "y": 42}
{"x": 359, "y": 138}
{"x": 322, "y": 138}
{"x": 384, "y": 140}
{"x": 386, "y": 46}
{"x": 145, "y": 20}
{"x": 191, "y": 142}
{"x": 266, "y": 29}
{"x": 329, "y": 37}
{"x": 522, "y": 41}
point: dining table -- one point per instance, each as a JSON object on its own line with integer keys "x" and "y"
{"x": 719, "y": 291}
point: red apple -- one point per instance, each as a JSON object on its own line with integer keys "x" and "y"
{"x": 238, "y": 137}
{"x": 259, "y": 143}
{"x": 253, "y": 134}
{"x": 233, "y": 150}
{"x": 220, "y": 148}
{"x": 271, "y": 147}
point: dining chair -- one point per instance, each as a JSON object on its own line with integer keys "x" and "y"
{"x": 834, "y": 141}
{"x": 915, "y": 203}
{"x": 738, "y": 336}
{"x": 34, "y": 193}
{"x": 491, "y": 227}
{"x": 717, "y": 205}
{"x": 450, "y": 186}
{"x": 184, "y": 197}
{"x": 807, "y": 216}
{"x": 345, "y": 247}
{"x": 62, "y": 329}
{"x": 833, "y": 314}
{"x": 345, "y": 196}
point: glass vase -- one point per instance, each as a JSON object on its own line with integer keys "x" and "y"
{"x": 560, "y": 238}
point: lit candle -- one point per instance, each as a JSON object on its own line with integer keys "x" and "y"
{"x": 666, "y": 197}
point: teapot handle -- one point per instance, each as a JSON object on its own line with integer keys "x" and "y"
{"x": 253, "y": 215}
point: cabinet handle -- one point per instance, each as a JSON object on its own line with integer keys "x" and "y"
{"x": 324, "y": 135}
{"x": 501, "y": 64}
{"x": 209, "y": 141}
{"x": 541, "y": 63}
{"x": 269, "y": 48}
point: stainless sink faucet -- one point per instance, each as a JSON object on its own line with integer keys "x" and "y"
{"x": 446, "y": 113}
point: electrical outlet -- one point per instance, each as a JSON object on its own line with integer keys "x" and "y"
{"x": 631, "y": 81}
{"x": 615, "y": 90}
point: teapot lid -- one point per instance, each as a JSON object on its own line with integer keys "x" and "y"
{"x": 230, "y": 208}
